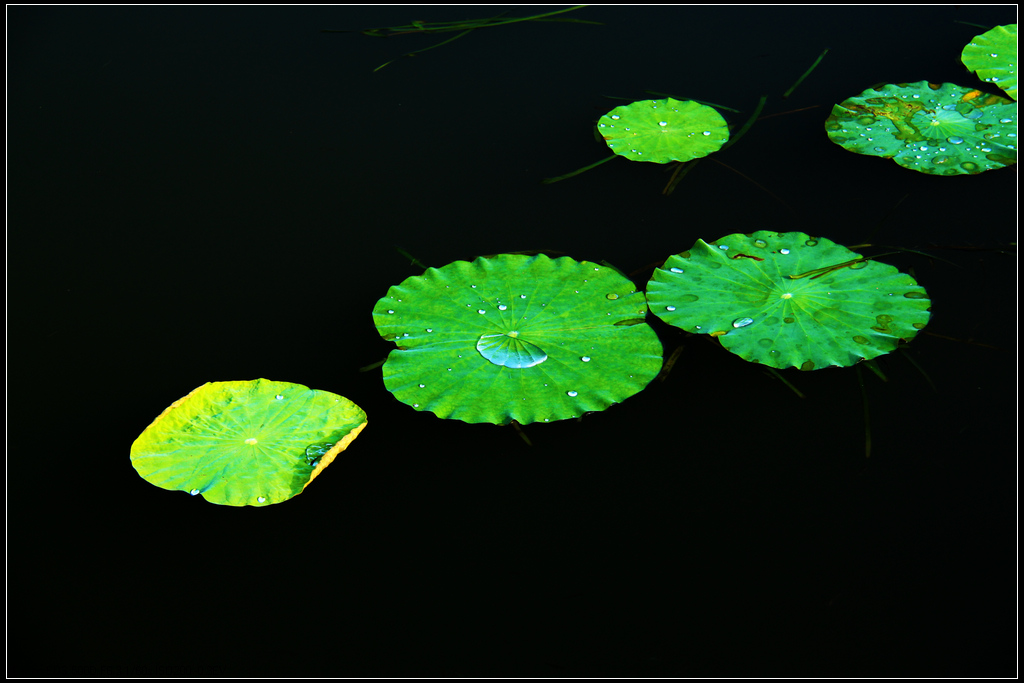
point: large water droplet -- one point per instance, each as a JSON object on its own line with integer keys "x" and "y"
{"x": 502, "y": 307}
{"x": 678, "y": 271}
{"x": 742, "y": 322}
{"x": 611, "y": 296}
{"x": 585, "y": 359}
{"x": 481, "y": 311}
{"x": 509, "y": 350}
{"x": 194, "y": 492}
{"x": 250, "y": 441}
{"x": 670, "y": 308}
{"x": 956, "y": 140}
{"x": 279, "y": 397}
{"x": 316, "y": 451}
{"x": 572, "y": 393}
{"x": 783, "y": 251}
{"x": 261, "y": 499}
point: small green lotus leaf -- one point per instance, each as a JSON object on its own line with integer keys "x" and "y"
{"x": 663, "y": 130}
{"x": 513, "y": 337}
{"x": 935, "y": 129}
{"x": 993, "y": 56}
{"x": 246, "y": 443}
{"x": 788, "y": 299}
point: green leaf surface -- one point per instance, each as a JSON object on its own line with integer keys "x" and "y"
{"x": 663, "y": 130}
{"x": 838, "y": 311}
{"x": 936, "y": 129}
{"x": 513, "y": 337}
{"x": 993, "y": 56}
{"x": 246, "y": 443}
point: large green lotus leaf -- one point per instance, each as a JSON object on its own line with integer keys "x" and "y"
{"x": 836, "y": 311}
{"x": 993, "y": 56}
{"x": 513, "y": 337}
{"x": 663, "y": 130}
{"x": 246, "y": 443}
{"x": 935, "y": 129}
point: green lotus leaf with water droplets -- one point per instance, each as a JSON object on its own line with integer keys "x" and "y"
{"x": 246, "y": 443}
{"x": 837, "y": 310}
{"x": 663, "y": 130}
{"x": 993, "y": 56}
{"x": 936, "y": 129}
{"x": 513, "y": 337}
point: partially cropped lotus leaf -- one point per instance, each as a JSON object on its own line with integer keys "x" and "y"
{"x": 513, "y": 337}
{"x": 935, "y": 129}
{"x": 789, "y": 300}
{"x": 663, "y": 130}
{"x": 993, "y": 56}
{"x": 246, "y": 443}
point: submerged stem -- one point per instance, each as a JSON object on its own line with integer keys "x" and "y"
{"x": 548, "y": 181}
{"x": 681, "y": 170}
{"x": 778, "y": 376}
{"x": 806, "y": 74}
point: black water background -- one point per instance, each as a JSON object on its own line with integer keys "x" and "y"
{"x": 211, "y": 194}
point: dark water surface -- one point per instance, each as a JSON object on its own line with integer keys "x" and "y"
{"x": 217, "y": 194}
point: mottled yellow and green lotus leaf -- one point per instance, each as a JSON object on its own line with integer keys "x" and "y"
{"x": 246, "y": 443}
